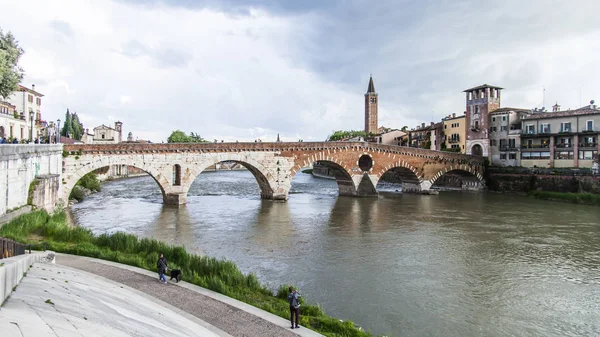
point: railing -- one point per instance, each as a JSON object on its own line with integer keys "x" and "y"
{"x": 508, "y": 148}
{"x": 564, "y": 145}
{"x": 535, "y": 146}
{"x": 452, "y": 141}
{"x": 588, "y": 144}
{"x": 9, "y": 248}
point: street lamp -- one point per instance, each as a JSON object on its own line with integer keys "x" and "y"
{"x": 58, "y": 131}
{"x": 31, "y": 130}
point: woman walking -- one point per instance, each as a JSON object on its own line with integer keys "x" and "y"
{"x": 162, "y": 269}
{"x": 294, "y": 299}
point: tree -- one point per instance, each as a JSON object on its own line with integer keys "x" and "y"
{"x": 404, "y": 128}
{"x": 342, "y": 134}
{"x": 67, "y": 130}
{"x": 77, "y": 126}
{"x": 10, "y": 73}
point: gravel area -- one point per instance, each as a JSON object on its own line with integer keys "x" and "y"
{"x": 223, "y": 316}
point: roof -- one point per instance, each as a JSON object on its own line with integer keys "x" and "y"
{"x": 7, "y": 104}
{"x": 567, "y": 113}
{"x": 504, "y": 110}
{"x": 371, "y": 87}
{"x": 22, "y": 88}
{"x": 103, "y": 127}
{"x": 67, "y": 140}
{"x": 448, "y": 118}
{"x": 483, "y": 86}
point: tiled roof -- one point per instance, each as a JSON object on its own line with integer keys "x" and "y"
{"x": 567, "y": 113}
{"x": 483, "y": 86}
{"x": 22, "y": 88}
{"x": 503, "y": 110}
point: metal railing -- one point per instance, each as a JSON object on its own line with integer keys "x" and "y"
{"x": 588, "y": 144}
{"x": 10, "y": 248}
{"x": 534, "y": 146}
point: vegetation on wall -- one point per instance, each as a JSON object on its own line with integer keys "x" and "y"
{"x": 219, "y": 275}
{"x": 90, "y": 182}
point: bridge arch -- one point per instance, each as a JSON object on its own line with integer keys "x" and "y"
{"x": 340, "y": 170}
{"x": 462, "y": 176}
{"x": 264, "y": 177}
{"x": 71, "y": 180}
{"x": 404, "y": 173}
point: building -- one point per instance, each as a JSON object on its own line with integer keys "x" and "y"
{"x": 104, "y": 134}
{"x": 505, "y": 136}
{"x": 389, "y": 137}
{"x": 371, "y": 108}
{"x": 561, "y": 138}
{"x": 480, "y": 102}
{"x": 455, "y": 131}
{"x": 419, "y": 137}
{"x": 436, "y": 136}
{"x": 28, "y": 104}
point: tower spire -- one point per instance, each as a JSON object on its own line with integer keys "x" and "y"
{"x": 371, "y": 87}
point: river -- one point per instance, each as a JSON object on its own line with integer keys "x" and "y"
{"x": 453, "y": 264}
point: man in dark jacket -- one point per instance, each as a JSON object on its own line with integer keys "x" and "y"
{"x": 294, "y": 299}
{"x": 162, "y": 269}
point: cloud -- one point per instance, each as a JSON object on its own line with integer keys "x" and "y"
{"x": 238, "y": 70}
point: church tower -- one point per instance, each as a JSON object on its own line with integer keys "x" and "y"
{"x": 481, "y": 102}
{"x": 371, "y": 108}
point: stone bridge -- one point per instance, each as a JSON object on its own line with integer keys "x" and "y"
{"x": 358, "y": 166}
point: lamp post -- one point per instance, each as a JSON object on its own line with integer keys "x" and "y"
{"x": 58, "y": 131}
{"x": 31, "y": 130}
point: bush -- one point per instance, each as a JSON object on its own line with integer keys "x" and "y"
{"x": 90, "y": 181}
{"x": 77, "y": 193}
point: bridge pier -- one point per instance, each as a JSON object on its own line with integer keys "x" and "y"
{"x": 175, "y": 198}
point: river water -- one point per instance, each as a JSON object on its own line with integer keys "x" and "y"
{"x": 453, "y": 264}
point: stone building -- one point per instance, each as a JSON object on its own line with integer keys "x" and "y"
{"x": 21, "y": 116}
{"x": 561, "y": 138}
{"x": 505, "y": 136}
{"x": 480, "y": 102}
{"x": 371, "y": 108}
{"x": 455, "y": 131}
{"x": 389, "y": 137}
{"x": 104, "y": 134}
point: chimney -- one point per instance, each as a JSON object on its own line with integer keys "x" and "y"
{"x": 33, "y": 87}
{"x": 453, "y": 114}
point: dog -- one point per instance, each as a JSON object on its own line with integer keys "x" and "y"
{"x": 176, "y": 274}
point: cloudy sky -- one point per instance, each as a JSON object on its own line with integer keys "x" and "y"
{"x": 241, "y": 70}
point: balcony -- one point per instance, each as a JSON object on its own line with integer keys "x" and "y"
{"x": 453, "y": 141}
{"x": 564, "y": 145}
{"x": 591, "y": 130}
{"x": 592, "y": 145}
{"x": 508, "y": 148}
{"x": 535, "y": 146}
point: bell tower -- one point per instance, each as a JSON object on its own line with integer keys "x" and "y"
{"x": 481, "y": 101}
{"x": 371, "y": 108}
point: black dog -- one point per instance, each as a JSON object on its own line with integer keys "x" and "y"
{"x": 176, "y": 274}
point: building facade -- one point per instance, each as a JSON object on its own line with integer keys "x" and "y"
{"x": 371, "y": 101}
{"x": 104, "y": 134}
{"x": 28, "y": 105}
{"x": 561, "y": 138}
{"x": 390, "y": 137}
{"x": 455, "y": 131}
{"x": 480, "y": 102}
{"x": 505, "y": 136}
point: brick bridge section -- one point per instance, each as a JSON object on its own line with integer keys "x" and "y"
{"x": 358, "y": 165}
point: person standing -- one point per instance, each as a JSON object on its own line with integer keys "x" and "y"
{"x": 162, "y": 269}
{"x": 294, "y": 299}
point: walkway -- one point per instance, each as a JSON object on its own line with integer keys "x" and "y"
{"x": 229, "y": 315}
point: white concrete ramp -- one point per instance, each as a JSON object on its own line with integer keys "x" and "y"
{"x": 54, "y": 300}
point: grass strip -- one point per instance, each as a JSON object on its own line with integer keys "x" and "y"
{"x": 222, "y": 276}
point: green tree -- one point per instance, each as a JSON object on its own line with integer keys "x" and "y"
{"x": 77, "y": 126}
{"x": 67, "y": 130}
{"x": 343, "y": 134}
{"x": 10, "y": 72}
{"x": 404, "y": 128}
{"x": 179, "y": 136}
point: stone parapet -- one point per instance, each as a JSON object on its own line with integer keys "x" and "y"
{"x": 14, "y": 268}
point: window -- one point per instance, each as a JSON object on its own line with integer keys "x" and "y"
{"x": 503, "y": 128}
{"x": 504, "y": 118}
{"x": 493, "y": 119}
{"x": 503, "y": 156}
{"x": 587, "y": 155}
{"x": 512, "y": 156}
{"x": 30, "y": 99}
{"x": 494, "y": 142}
{"x": 512, "y": 143}
{"x": 502, "y": 143}
{"x": 563, "y": 155}
{"x": 22, "y": 133}
{"x": 545, "y": 128}
{"x": 493, "y": 129}
{"x": 530, "y": 129}
{"x": 589, "y": 126}
{"x": 38, "y": 101}
{"x": 11, "y": 131}
{"x": 565, "y": 127}
{"x": 526, "y": 155}
{"x": 445, "y": 126}
{"x": 176, "y": 175}
{"x": 482, "y": 94}
{"x": 477, "y": 109}
{"x": 102, "y": 136}
{"x": 476, "y": 124}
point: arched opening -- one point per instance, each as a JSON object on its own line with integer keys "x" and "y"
{"x": 143, "y": 186}
{"x": 477, "y": 150}
{"x": 177, "y": 175}
{"x": 319, "y": 178}
{"x": 398, "y": 179}
{"x": 457, "y": 180}
{"x": 230, "y": 177}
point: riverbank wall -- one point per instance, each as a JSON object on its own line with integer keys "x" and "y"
{"x": 519, "y": 180}
{"x": 30, "y": 174}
